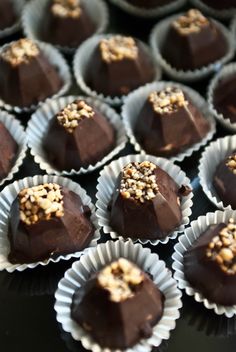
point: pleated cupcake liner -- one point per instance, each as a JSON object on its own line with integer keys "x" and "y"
{"x": 9, "y": 194}
{"x": 80, "y": 66}
{"x": 58, "y": 61}
{"x": 220, "y": 14}
{"x": 39, "y": 123}
{"x": 107, "y": 184}
{"x": 226, "y": 72}
{"x": 157, "y": 38}
{"x": 18, "y": 7}
{"x": 93, "y": 261}
{"x": 157, "y": 11}
{"x": 35, "y": 12}
{"x": 192, "y": 233}
{"x": 136, "y": 100}
{"x": 211, "y": 158}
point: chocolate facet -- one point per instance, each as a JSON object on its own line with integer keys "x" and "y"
{"x": 169, "y": 123}
{"x": 210, "y": 264}
{"x": 119, "y": 65}
{"x": 7, "y": 14}
{"x": 81, "y": 133}
{"x": 150, "y": 3}
{"x": 193, "y": 41}
{"x": 8, "y": 151}
{"x": 106, "y": 306}
{"x": 225, "y": 98}
{"x": 45, "y": 221}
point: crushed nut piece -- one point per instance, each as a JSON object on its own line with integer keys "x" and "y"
{"x": 40, "y": 203}
{"x": 191, "y": 22}
{"x": 66, "y": 8}
{"x": 120, "y": 278}
{"x": 21, "y": 51}
{"x": 167, "y": 100}
{"x": 70, "y": 116}
{"x": 118, "y": 48}
{"x": 231, "y": 163}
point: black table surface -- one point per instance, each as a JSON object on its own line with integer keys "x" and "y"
{"x": 27, "y": 317}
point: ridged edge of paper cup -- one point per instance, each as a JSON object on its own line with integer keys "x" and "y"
{"x": 210, "y": 159}
{"x": 135, "y": 101}
{"x": 34, "y": 12}
{"x": 149, "y": 13}
{"x": 18, "y": 5}
{"x": 226, "y": 71}
{"x": 8, "y": 195}
{"x": 221, "y": 14}
{"x": 38, "y": 124}
{"x": 81, "y": 61}
{"x": 157, "y": 37}
{"x": 106, "y": 187}
{"x": 192, "y": 233}
{"x": 57, "y": 60}
{"x": 95, "y": 260}
{"x": 16, "y": 130}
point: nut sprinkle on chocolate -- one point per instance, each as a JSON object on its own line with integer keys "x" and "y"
{"x": 118, "y": 48}
{"x": 21, "y": 51}
{"x": 191, "y": 22}
{"x": 139, "y": 181}
{"x": 231, "y": 163}
{"x": 40, "y": 202}
{"x": 222, "y": 248}
{"x": 70, "y": 116}
{"x": 167, "y": 100}
{"x": 66, "y": 8}
{"x": 120, "y": 278}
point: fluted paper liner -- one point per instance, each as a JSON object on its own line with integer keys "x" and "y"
{"x": 8, "y": 195}
{"x": 38, "y": 126}
{"x": 135, "y": 101}
{"x": 18, "y": 7}
{"x": 191, "y": 234}
{"x": 93, "y": 261}
{"x": 211, "y": 157}
{"x": 106, "y": 187}
{"x": 221, "y": 14}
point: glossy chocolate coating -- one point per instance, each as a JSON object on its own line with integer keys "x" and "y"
{"x": 117, "y": 324}
{"x": 28, "y": 83}
{"x": 224, "y": 182}
{"x": 205, "y": 274}
{"x": 219, "y": 4}
{"x": 195, "y": 50}
{"x": 7, "y": 14}
{"x": 8, "y": 151}
{"x": 149, "y": 4}
{"x": 153, "y": 219}
{"x": 224, "y": 98}
{"x": 119, "y": 77}
{"x": 50, "y": 238}
{"x": 93, "y": 139}
{"x": 167, "y": 134}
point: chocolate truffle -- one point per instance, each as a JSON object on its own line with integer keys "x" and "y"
{"x": 169, "y": 123}
{"x": 67, "y": 23}
{"x": 8, "y": 15}
{"x": 46, "y": 221}
{"x": 8, "y": 151}
{"x": 81, "y": 134}
{"x": 193, "y": 41}
{"x": 119, "y": 65}
{"x": 26, "y": 75}
{"x": 224, "y": 98}
{"x": 224, "y": 180}
{"x": 219, "y": 4}
{"x": 210, "y": 264}
{"x": 150, "y": 4}
{"x": 118, "y": 306}
{"x": 146, "y": 202}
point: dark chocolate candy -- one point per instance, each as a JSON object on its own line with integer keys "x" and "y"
{"x": 150, "y": 3}
{"x": 8, "y": 151}
{"x": 224, "y": 97}
{"x": 8, "y": 16}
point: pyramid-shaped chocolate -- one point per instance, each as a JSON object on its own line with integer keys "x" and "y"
{"x": 224, "y": 97}
{"x": 8, "y": 151}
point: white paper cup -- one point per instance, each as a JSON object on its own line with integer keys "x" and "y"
{"x": 35, "y": 11}
{"x": 191, "y": 234}
{"x": 221, "y": 14}
{"x": 38, "y": 126}
{"x": 8, "y": 195}
{"x": 135, "y": 102}
{"x": 58, "y": 61}
{"x": 93, "y": 261}
{"x": 211, "y": 157}
{"x": 18, "y": 7}
{"x": 17, "y": 132}
{"x": 157, "y": 38}
{"x": 80, "y": 65}
{"x": 106, "y": 187}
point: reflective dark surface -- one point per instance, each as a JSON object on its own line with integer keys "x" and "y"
{"x": 27, "y": 317}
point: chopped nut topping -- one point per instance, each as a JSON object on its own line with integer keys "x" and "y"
{"x": 231, "y": 163}
{"x": 21, "y": 51}
{"x": 40, "y": 203}
{"x": 139, "y": 181}
{"x": 70, "y": 116}
{"x": 118, "y": 48}
{"x": 66, "y": 8}
{"x": 191, "y": 22}
{"x": 167, "y": 100}
{"x": 120, "y": 278}
{"x": 222, "y": 248}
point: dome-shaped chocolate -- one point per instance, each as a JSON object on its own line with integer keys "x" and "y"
{"x": 8, "y": 151}
{"x": 7, "y": 14}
